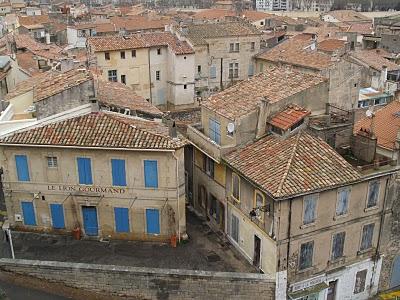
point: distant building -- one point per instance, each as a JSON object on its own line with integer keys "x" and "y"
{"x": 272, "y": 5}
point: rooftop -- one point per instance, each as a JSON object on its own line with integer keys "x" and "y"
{"x": 296, "y": 165}
{"x": 273, "y": 85}
{"x": 290, "y": 116}
{"x": 33, "y": 20}
{"x": 386, "y": 125}
{"x": 95, "y": 130}
{"x": 331, "y": 45}
{"x": 375, "y": 59}
{"x": 214, "y": 13}
{"x": 299, "y": 52}
{"x": 199, "y": 33}
{"x": 348, "y": 16}
{"x": 145, "y": 40}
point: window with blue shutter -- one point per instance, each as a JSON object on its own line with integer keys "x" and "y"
{"x": 57, "y": 215}
{"x": 21, "y": 162}
{"x": 213, "y": 72}
{"x": 121, "y": 219}
{"x": 84, "y": 170}
{"x": 118, "y": 172}
{"x": 215, "y": 131}
{"x": 251, "y": 70}
{"x": 150, "y": 174}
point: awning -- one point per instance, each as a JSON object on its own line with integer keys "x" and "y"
{"x": 308, "y": 291}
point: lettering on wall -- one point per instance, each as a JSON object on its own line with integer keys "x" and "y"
{"x": 86, "y": 189}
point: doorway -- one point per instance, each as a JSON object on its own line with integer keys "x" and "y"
{"x": 90, "y": 224}
{"x": 332, "y": 290}
{"x": 257, "y": 251}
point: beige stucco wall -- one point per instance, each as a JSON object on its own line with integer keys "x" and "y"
{"x": 60, "y": 185}
{"x": 22, "y": 102}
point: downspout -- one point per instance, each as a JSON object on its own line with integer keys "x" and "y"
{"x": 177, "y": 196}
{"x": 289, "y": 233}
{"x": 151, "y": 95}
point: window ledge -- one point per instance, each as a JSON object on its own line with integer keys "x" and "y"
{"x": 371, "y": 208}
{"x": 338, "y": 217}
{"x": 304, "y": 226}
{"x": 361, "y": 252}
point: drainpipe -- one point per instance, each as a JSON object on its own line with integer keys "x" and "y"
{"x": 288, "y": 246}
{"x": 151, "y": 96}
{"x": 178, "y": 195}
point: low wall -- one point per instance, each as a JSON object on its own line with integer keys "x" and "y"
{"x": 147, "y": 283}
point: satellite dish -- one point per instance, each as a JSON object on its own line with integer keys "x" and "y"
{"x": 231, "y": 128}
{"x": 369, "y": 113}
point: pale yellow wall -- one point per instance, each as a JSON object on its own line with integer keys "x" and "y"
{"x": 22, "y": 102}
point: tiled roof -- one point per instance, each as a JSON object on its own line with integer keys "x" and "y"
{"x": 199, "y": 33}
{"x": 97, "y": 130}
{"x": 213, "y": 14}
{"x": 27, "y": 85}
{"x": 386, "y": 125}
{"x": 118, "y": 94}
{"x": 331, "y": 45}
{"x": 273, "y": 85}
{"x": 299, "y": 164}
{"x": 323, "y": 32}
{"x": 291, "y": 115}
{"x": 145, "y": 40}
{"x": 297, "y": 51}
{"x": 33, "y": 20}
{"x": 25, "y": 41}
{"x": 374, "y": 59}
{"x": 27, "y": 63}
{"x": 348, "y": 16}
{"x": 361, "y": 28}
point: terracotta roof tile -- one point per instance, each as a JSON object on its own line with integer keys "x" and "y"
{"x": 97, "y": 130}
{"x": 330, "y": 45}
{"x": 273, "y": 85}
{"x": 374, "y": 58}
{"x": 291, "y": 115}
{"x": 299, "y": 164}
{"x": 34, "y": 20}
{"x": 386, "y": 125}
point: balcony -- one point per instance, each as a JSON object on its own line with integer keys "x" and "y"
{"x": 197, "y": 137}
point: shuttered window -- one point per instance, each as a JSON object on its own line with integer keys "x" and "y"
{"x": 373, "y": 193}
{"x": 367, "y": 234}
{"x": 359, "y": 286}
{"x": 342, "y": 201}
{"x": 251, "y": 70}
{"x": 213, "y": 72}
{"x": 309, "y": 204}
{"x": 235, "y": 228}
{"x": 236, "y": 187}
{"x": 306, "y": 255}
{"x": 121, "y": 215}
{"x": 118, "y": 172}
{"x": 150, "y": 174}
{"x": 215, "y": 130}
{"x": 338, "y": 245}
{"x": 21, "y": 162}
{"x": 84, "y": 170}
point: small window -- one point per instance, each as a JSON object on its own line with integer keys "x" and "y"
{"x": 253, "y": 46}
{"x": 133, "y": 53}
{"x": 366, "y": 239}
{"x": 306, "y": 255}
{"x": 214, "y": 210}
{"x": 233, "y": 70}
{"x": 373, "y": 193}
{"x": 158, "y": 51}
{"x": 52, "y": 162}
{"x": 209, "y": 166}
{"x": 342, "y": 201}
{"x": 236, "y": 187}
{"x": 236, "y": 47}
{"x": 259, "y": 205}
{"x": 185, "y": 86}
{"x": 123, "y": 79}
{"x": 359, "y": 285}
{"x": 112, "y": 75}
{"x": 107, "y": 55}
{"x": 309, "y": 207}
{"x": 198, "y": 69}
{"x": 338, "y": 245}
{"x": 231, "y": 47}
{"x": 158, "y": 75}
{"x": 214, "y": 130}
{"x": 235, "y": 228}
{"x": 122, "y": 54}
{"x": 184, "y": 57}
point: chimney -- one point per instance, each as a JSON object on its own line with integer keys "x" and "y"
{"x": 48, "y": 38}
{"x": 263, "y": 114}
{"x": 172, "y": 129}
{"x": 383, "y": 78}
{"x": 94, "y": 105}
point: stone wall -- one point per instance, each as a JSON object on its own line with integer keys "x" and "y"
{"x": 147, "y": 283}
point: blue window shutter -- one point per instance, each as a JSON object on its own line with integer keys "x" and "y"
{"x": 57, "y": 215}
{"x": 29, "y": 213}
{"x": 150, "y": 174}
{"x": 161, "y": 96}
{"x": 22, "y": 167}
{"x": 84, "y": 170}
{"x": 153, "y": 221}
{"x": 251, "y": 70}
{"x": 121, "y": 219}
{"x": 214, "y": 130}
{"x": 118, "y": 172}
{"x": 213, "y": 72}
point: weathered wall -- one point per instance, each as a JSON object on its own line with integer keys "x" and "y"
{"x": 148, "y": 283}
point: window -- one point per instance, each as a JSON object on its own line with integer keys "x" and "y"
{"x": 253, "y": 46}
{"x": 209, "y": 166}
{"x": 213, "y": 72}
{"x": 233, "y": 70}
{"x": 309, "y": 205}
{"x": 122, "y": 53}
{"x": 198, "y": 69}
{"x": 107, "y": 55}
{"x": 84, "y": 170}
{"x": 214, "y": 130}
{"x": 158, "y": 51}
{"x": 235, "y": 228}
{"x": 366, "y": 239}
{"x": 251, "y": 70}
{"x": 133, "y": 53}
{"x": 373, "y": 193}
{"x": 150, "y": 174}
{"x": 158, "y": 75}
{"x": 112, "y": 75}
{"x": 214, "y": 209}
{"x": 380, "y": 101}
{"x": 121, "y": 215}
{"x": 342, "y": 201}
{"x": 298, "y": 124}
{"x": 21, "y": 162}
{"x": 306, "y": 255}
{"x": 123, "y": 79}
{"x": 259, "y": 205}
{"x": 52, "y": 162}
{"x": 118, "y": 172}
{"x": 185, "y": 86}
{"x": 234, "y": 47}
{"x": 338, "y": 245}
{"x": 236, "y": 187}
{"x": 359, "y": 285}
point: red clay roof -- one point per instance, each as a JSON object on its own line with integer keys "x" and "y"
{"x": 386, "y": 125}
{"x": 96, "y": 130}
{"x": 289, "y": 117}
{"x": 374, "y": 58}
{"x": 299, "y": 164}
{"x": 33, "y": 20}
{"x": 331, "y": 45}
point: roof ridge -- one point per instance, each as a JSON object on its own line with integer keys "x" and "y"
{"x": 289, "y": 163}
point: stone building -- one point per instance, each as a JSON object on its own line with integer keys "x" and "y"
{"x": 112, "y": 176}
{"x": 223, "y": 53}
{"x": 157, "y": 66}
